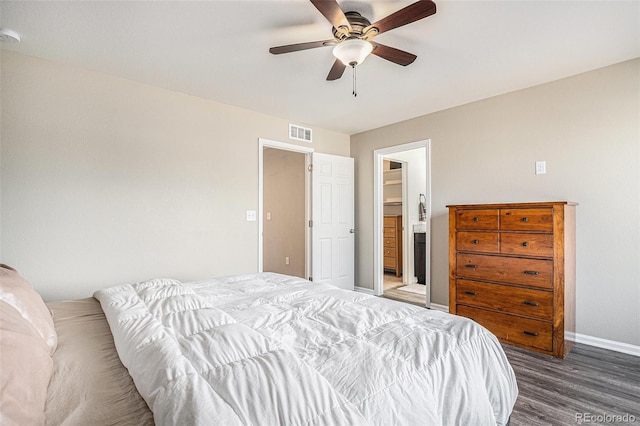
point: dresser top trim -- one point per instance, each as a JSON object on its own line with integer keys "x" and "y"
{"x": 512, "y": 205}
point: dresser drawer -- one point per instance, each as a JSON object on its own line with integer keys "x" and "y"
{"x": 477, "y": 241}
{"x": 389, "y": 232}
{"x": 389, "y": 262}
{"x": 512, "y": 270}
{"x": 527, "y": 219}
{"x": 510, "y": 328}
{"x": 389, "y": 242}
{"x": 522, "y": 301}
{"x": 527, "y": 244}
{"x": 390, "y": 221}
{"x": 390, "y": 252}
{"x": 477, "y": 219}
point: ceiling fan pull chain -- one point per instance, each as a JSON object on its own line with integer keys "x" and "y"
{"x": 355, "y": 92}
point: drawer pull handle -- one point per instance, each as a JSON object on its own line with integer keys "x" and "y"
{"x": 530, "y": 333}
{"x": 531, "y": 272}
{"x": 529, "y": 303}
{"x": 475, "y": 242}
{"x": 525, "y": 244}
{"x": 471, "y": 293}
{"x": 471, "y": 266}
{"x": 475, "y": 219}
{"x": 525, "y": 219}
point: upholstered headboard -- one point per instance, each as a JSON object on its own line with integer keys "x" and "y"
{"x": 27, "y": 342}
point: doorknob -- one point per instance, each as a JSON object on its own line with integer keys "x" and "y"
{"x": 352, "y": 231}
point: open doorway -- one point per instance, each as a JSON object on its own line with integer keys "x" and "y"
{"x": 284, "y": 200}
{"x": 284, "y": 212}
{"x": 394, "y": 188}
{"x": 329, "y": 249}
{"x": 402, "y": 198}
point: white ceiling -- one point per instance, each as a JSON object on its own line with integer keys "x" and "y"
{"x": 218, "y": 50}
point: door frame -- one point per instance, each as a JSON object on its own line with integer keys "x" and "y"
{"x": 378, "y": 214}
{"x": 307, "y": 151}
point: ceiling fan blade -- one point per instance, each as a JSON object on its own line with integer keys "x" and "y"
{"x": 407, "y": 15}
{"x": 392, "y": 54}
{"x": 336, "y": 70}
{"x": 300, "y": 46}
{"x": 331, "y": 10}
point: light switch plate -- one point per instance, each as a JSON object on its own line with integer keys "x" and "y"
{"x": 251, "y": 215}
{"x": 541, "y": 167}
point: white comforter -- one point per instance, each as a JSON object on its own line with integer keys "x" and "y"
{"x": 268, "y": 349}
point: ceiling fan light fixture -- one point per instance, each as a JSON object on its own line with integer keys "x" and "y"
{"x": 353, "y": 51}
{"x": 9, "y": 35}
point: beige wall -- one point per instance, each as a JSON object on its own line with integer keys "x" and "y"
{"x": 284, "y": 211}
{"x": 106, "y": 181}
{"x": 587, "y": 129}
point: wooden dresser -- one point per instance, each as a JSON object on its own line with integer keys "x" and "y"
{"x": 512, "y": 269}
{"x": 392, "y": 239}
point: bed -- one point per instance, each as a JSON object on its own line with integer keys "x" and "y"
{"x": 262, "y": 349}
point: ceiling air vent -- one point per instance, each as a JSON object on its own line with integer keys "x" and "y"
{"x": 299, "y": 133}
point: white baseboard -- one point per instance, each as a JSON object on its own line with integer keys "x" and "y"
{"x": 598, "y": 342}
{"x": 437, "y": 307}
{"x": 364, "y": 290}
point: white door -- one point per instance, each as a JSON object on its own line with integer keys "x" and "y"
{"x": 332, "y": 232}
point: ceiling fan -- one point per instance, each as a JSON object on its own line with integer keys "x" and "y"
{"x": 352, "y": 35}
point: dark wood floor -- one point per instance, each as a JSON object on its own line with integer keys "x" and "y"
{"x": 589, "y": 380}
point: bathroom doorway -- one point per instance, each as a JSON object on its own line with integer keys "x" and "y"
{"x": 402, "y": 222}
{"x": 394, "y": 188}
